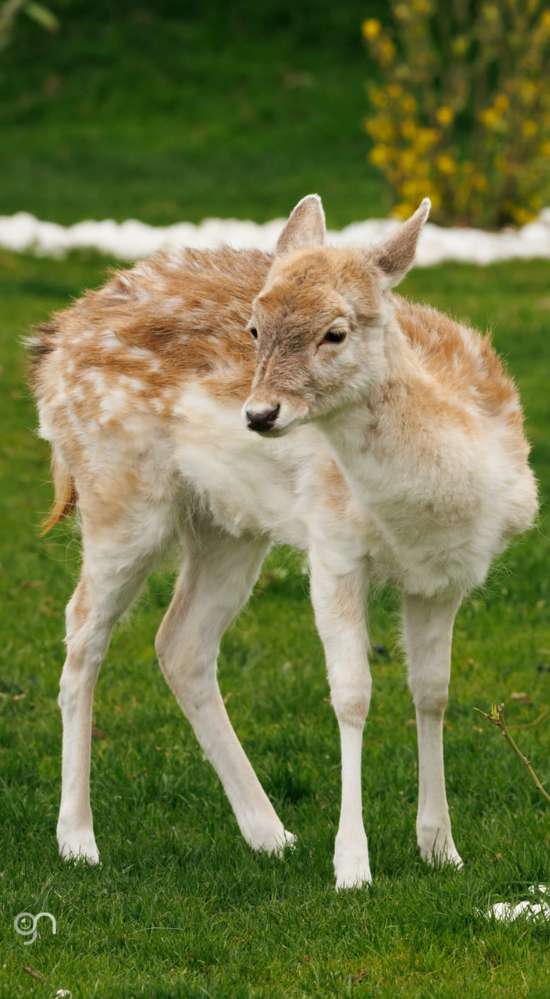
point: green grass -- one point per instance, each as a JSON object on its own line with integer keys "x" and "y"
{"x": 180, "y": 906}
{"x": 162, "y": 113}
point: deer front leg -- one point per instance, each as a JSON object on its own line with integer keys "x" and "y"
{"x": 339, "y": 605}
{"x": 428, "y": 629}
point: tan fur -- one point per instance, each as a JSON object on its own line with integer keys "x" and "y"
{"x": 124, "y": 338}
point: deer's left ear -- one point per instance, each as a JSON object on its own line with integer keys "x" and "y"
{"x": 305, "y": 226}
{"x": 396, "y": 256}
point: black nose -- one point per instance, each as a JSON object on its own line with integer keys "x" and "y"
{"x": 262, "y": 419}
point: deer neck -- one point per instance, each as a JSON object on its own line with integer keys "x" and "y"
{"x": 368, "y": 427}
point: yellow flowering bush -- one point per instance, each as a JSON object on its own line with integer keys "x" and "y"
{"x": 461, "y": 108}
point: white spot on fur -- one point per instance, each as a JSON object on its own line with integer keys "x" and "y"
{"x": 112, "y": 405}
{"x": 121, "y": 287}
{"x": 173, "y": 261}
{"x": 133, "y": 383}
{"x": 110, "y": 340}
{"x": 139, "y": 353}
{"x": 172, "y": 305}
{"x": 96, "y": 379}
{"x": 510, "y": 407}
{"x": 45, "y": 428}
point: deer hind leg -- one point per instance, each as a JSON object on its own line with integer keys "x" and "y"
{"x": 428, "y": 629}
{"x": 218, "y": 574}
{"x": 113, "y": 569}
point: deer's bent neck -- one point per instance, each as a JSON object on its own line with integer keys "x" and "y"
{"x": 371, "y": 422}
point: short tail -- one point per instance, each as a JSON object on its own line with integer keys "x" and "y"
{"x": 65, "y": 495}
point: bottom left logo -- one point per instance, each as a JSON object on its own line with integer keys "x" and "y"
{"x": 26, "y": 924}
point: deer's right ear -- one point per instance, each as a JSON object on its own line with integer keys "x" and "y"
{"x": 305, "y": 226}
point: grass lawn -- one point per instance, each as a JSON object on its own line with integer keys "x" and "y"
{"x": 167, "y": 111}
{"x": 180, "y": 906}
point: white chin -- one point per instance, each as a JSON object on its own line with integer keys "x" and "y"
{"x": 289, "y": 419}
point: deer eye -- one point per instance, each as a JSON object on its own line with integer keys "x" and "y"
{"x": 334, "y": 336}
{"x": 253, "y": 332}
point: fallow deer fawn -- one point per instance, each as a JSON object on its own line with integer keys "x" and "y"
{"x": 227, "y": 400}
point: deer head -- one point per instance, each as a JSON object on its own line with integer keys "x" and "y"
{"x": 319, "y": 320}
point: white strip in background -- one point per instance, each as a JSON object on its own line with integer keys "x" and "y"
{"x": 132, "y": 240}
